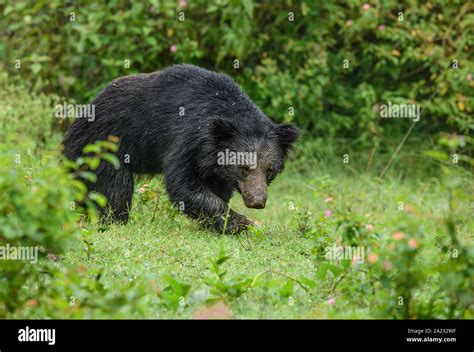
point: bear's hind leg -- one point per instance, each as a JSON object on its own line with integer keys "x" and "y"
{"x": 117, "y": 187}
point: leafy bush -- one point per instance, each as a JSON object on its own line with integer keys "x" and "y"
{"x": 291, "y": 55}
{"x": 296, "y": 70}
{"x": 34, "y": 216}
{"x": 39, "y": 215}
{"x": 42, "y": 220}
{"x": 26, "y": 118}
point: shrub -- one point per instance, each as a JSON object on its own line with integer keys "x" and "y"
{"x": 291, "y": 55}
{"x": 34, "y": 216}
{"x": 27, "y": 118}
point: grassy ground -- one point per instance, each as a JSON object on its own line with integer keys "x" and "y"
{"x": 157, "y": 242}
{"x": 418, "y": 259}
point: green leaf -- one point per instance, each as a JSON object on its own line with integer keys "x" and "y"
{"x": 112, "y": 159}
{"x": 91, "y": 148}
{"x": 248, "y": 6}
{"x": 99, "y": 198}
{"x": 89, "y": 176}
{"x": 307, "y": 282}
{"x": 436, "y": 154}
{"x": 35, "y": 68}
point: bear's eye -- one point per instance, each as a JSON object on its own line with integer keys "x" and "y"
{"x": 271, "y": 173}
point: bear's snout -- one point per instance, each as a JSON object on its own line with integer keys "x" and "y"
{"x": 257, "y": 202}
{"x": 254, "y": 191}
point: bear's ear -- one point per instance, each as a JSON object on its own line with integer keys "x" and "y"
{"x": 287, "y": 134}
{"x": 222, "y": 130}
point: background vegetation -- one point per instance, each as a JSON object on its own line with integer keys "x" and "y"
{"x": 396, "y": 51}
{"x": 414, "y": 221}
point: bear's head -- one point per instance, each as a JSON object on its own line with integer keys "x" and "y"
{"x": 251, "y": 155}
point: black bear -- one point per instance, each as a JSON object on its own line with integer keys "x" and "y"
{"x": 195, "y": 126}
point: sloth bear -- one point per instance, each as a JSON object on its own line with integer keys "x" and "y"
{"x": 195, "y": 126}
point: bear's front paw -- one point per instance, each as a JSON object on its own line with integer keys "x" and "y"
{"x": 239, "y": 223}
{"x": 234, "y": 224}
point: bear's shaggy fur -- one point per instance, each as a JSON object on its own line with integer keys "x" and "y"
{"x": 175, "y": 122}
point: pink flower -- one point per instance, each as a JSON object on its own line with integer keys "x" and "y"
{"x": 349, "y": 23}
{"x": 141, "y": 190}
{"x": 413, "y": 243}
{"x": 373, "y": 258}
{"x": 328, "y": 213}
{"x": 173, "y": 48}
{"x": 381, "y": 27}
{"x": 183, "y": 3}
{"x": 398, "y": 235}
{"x": 331, "y": 300}
{"x": 469, "y": 77}
{"x": 366, "y": 6}
{"x": 369, "y": 227}
{"x": 329, "y": 199}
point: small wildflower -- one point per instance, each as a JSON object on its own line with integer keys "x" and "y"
{"x": 373, "y": 258}
{"x": 413, "y": 243}
{"x": 398, "y": 235}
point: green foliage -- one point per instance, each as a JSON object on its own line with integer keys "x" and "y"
{"x": 417, "y": 263}
{"x": 291, "y": 55}
{"x": 397, "y": 278}
{"x": 152, "y": 199}
{"x": 33, "y": 212}
{"x": 33, "y": 216}
{"x": 74, "y": 292}
{"x": 27, "y": 121}
{"x": 42, "y": 220}
{"x": 38, "y": 215}
{"x": 174, "y": 295}
{"x": 221, "y": 287}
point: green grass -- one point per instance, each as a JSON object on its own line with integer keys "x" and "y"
{"x": 278, "y": 271}
{"x": 157, "y": 242}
